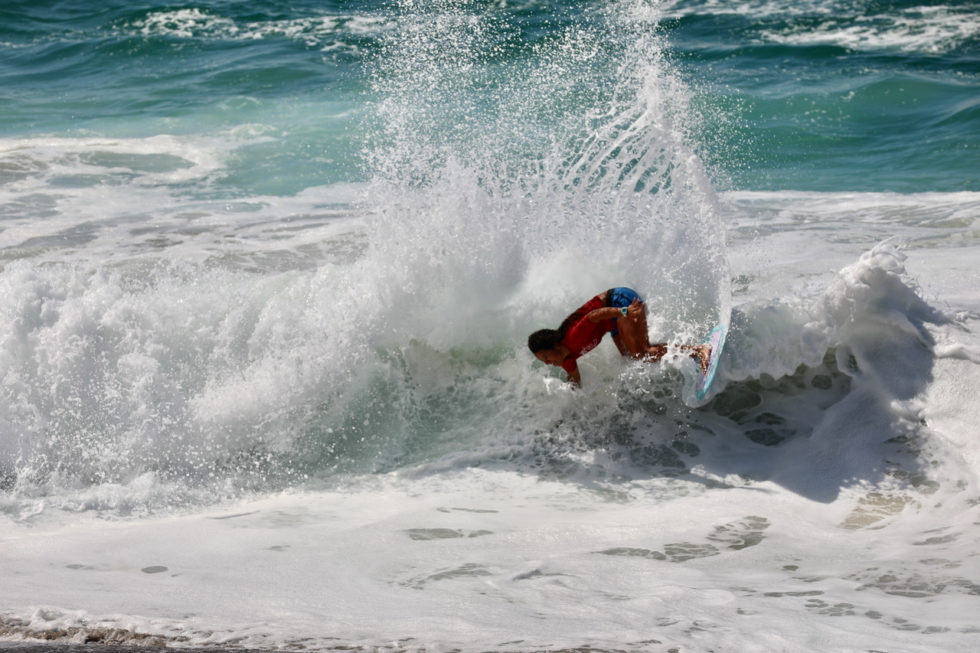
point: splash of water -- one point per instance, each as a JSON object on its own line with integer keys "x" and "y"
{"x": 528, "y": 185}
{"x": 515, "y": 171}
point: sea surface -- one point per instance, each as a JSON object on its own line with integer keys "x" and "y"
{"x": 268, "y": 268}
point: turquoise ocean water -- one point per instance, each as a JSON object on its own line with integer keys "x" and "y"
{"x": 815, "y": 95}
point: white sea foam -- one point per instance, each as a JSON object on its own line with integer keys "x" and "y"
{"x": 321, "y": 30}
{"x": 753, "y": 8}
{"x": 479, "y": 559}
{"x": 186, "y": 23}
{"x": 929, "y": 29}
{"x": 920, "y": 29}
{"x": 827, "y": 493}
{"x": 121, "y": 198}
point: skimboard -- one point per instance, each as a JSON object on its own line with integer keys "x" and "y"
{"x": 717, "y": 341}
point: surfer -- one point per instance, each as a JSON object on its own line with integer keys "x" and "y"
{"x": 619, "y": 311}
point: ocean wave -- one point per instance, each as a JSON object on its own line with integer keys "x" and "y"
{"x": 313, "y": 31}
{"x": 768, "y": 210}
{"x": 290, "y": 343}
{"x": 111, "y": 30}
{"x": 756, "y": 9}
{"x": 935, "y": 29}
{"x": 258, "y": 389}
{"x": 930, "y": 30}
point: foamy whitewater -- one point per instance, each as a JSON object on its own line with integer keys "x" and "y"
{"x": 267, "y": 275}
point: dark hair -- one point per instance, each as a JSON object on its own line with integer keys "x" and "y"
{"x": 543, "y": 340}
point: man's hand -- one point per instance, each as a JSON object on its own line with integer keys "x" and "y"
{"x": 635, "y": 310}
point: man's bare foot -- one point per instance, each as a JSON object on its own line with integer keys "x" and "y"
{"x": 656, "y": 352}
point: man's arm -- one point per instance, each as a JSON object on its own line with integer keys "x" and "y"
{"x": 574, "y": 376}
{"x": 605, "y": 313}
{"x": 634, "y": 311}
